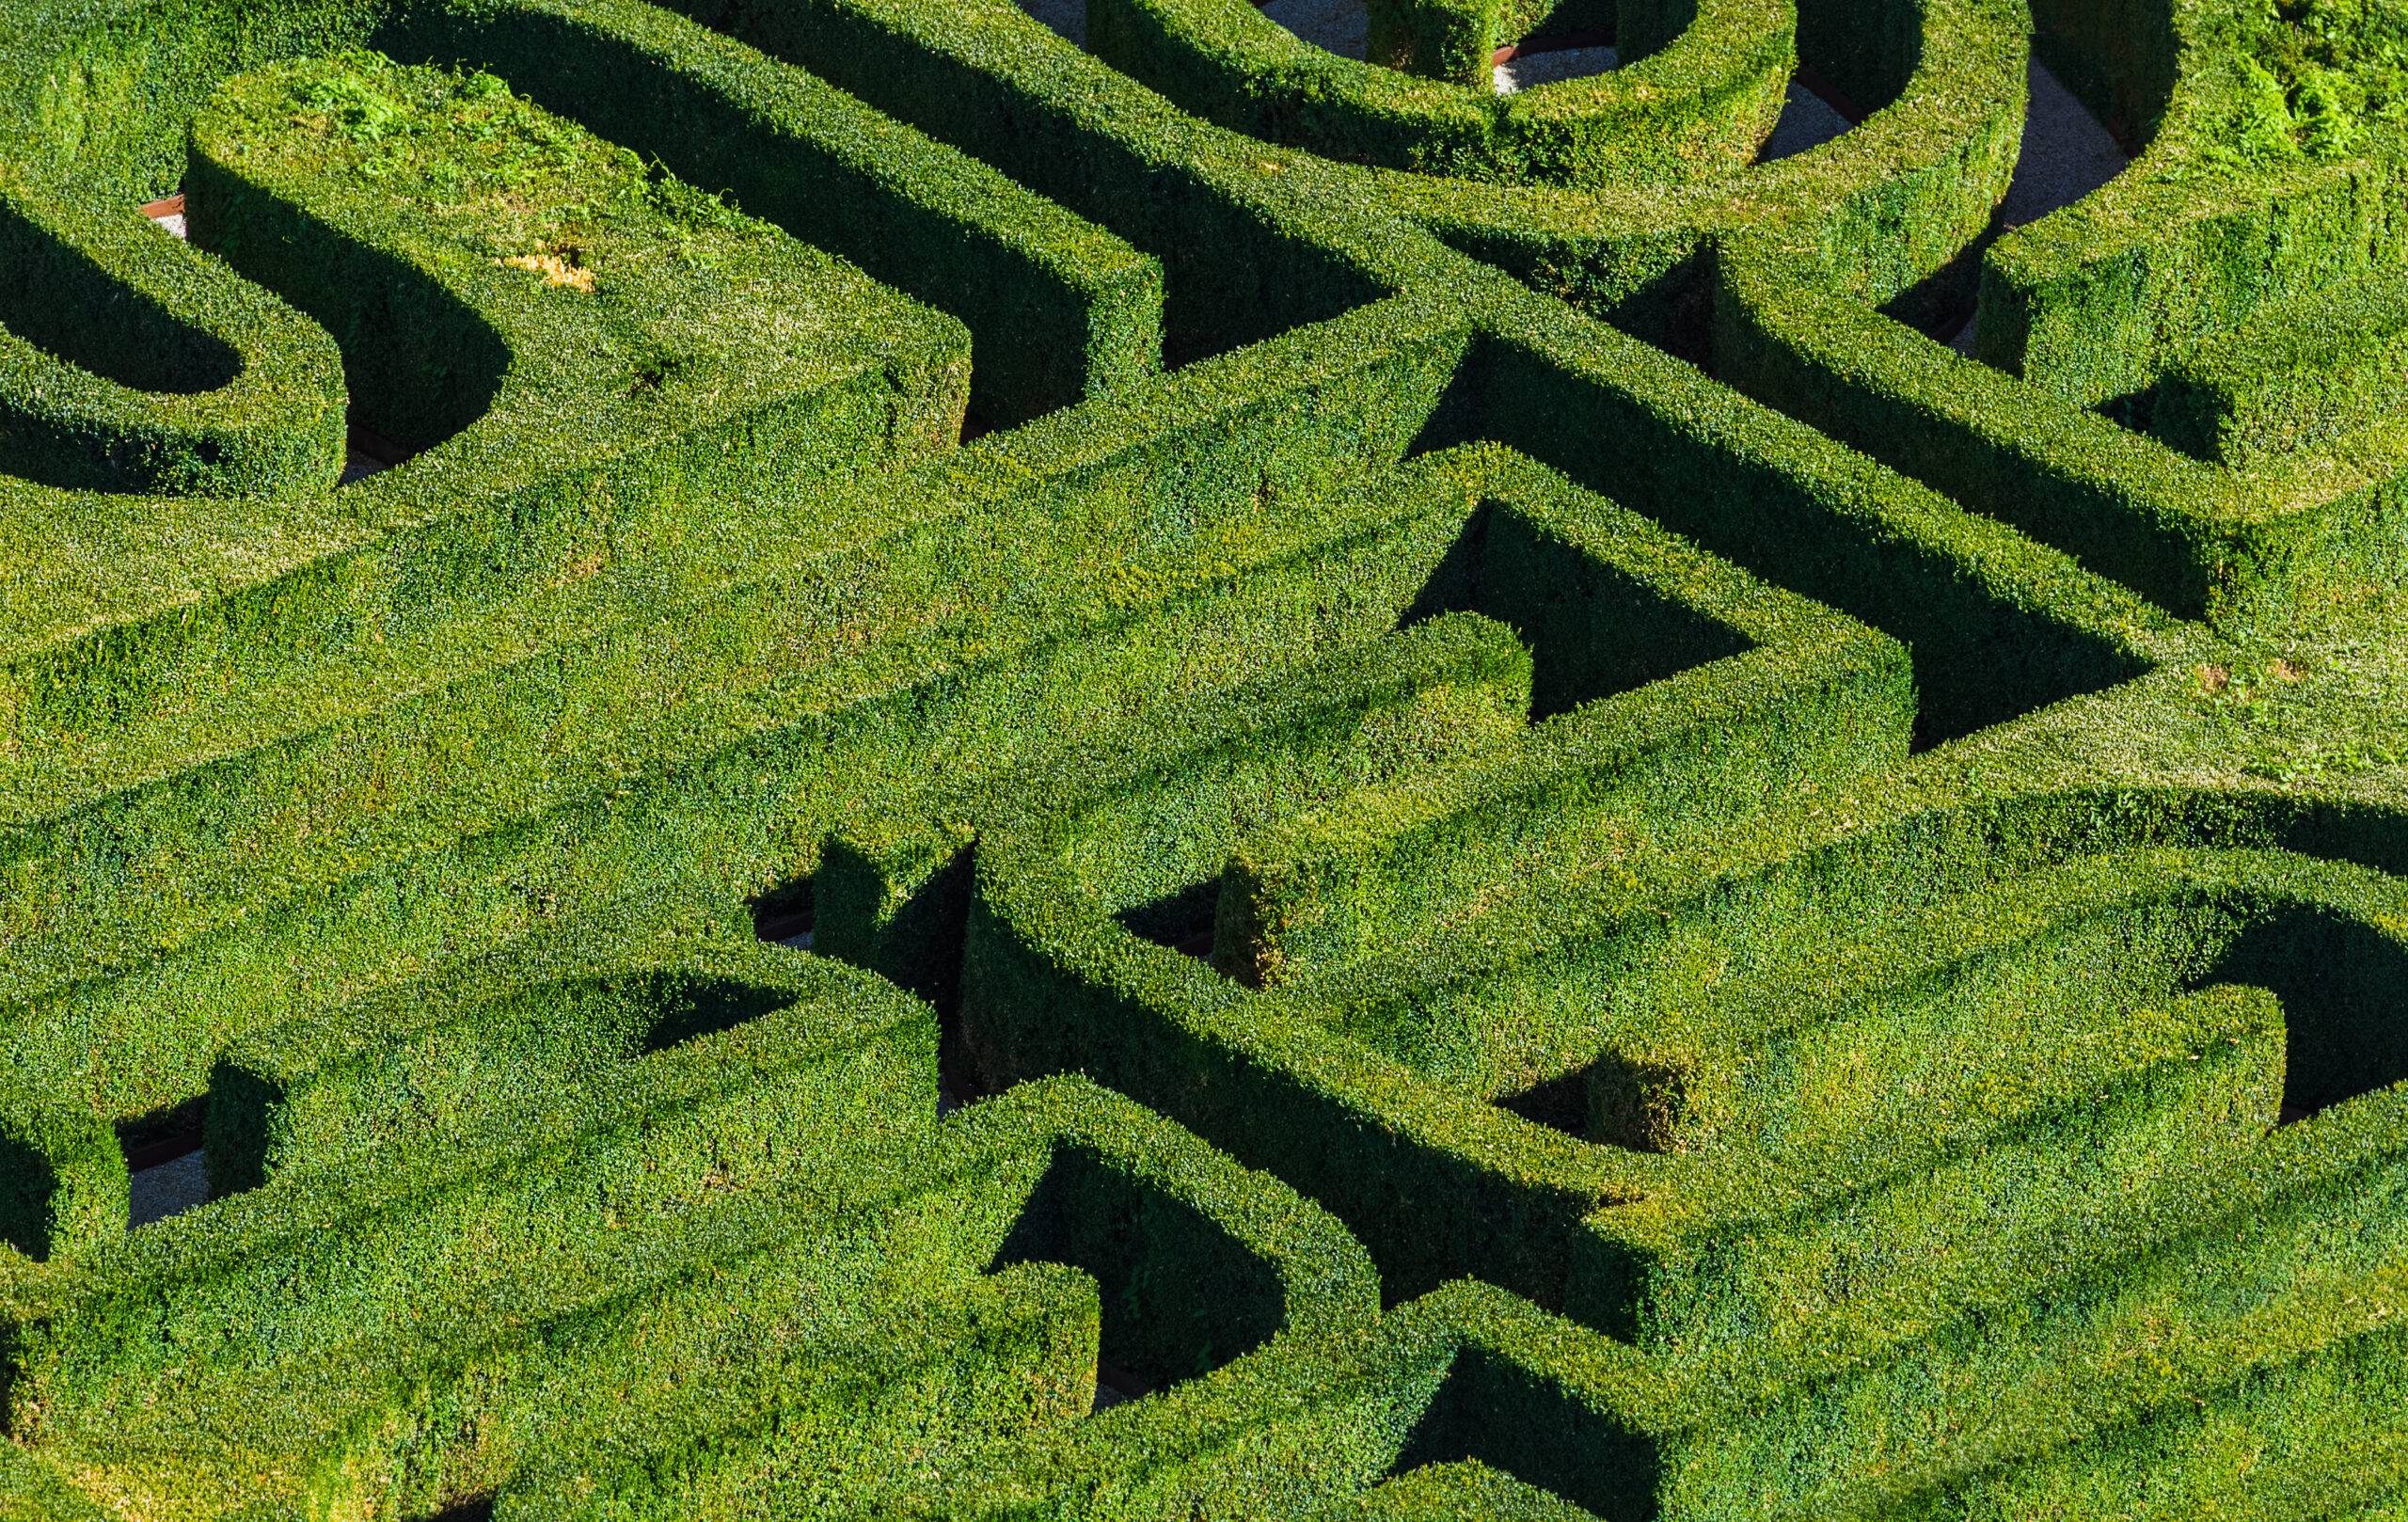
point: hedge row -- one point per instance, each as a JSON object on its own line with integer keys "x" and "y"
{"x": 131, "y": 366}
{"x": 2100, "y": 302}
{"x": 1890, "y": 201}
{"x": 2196, "y": 538}
{"x": 1455, "y": 39}
{"x": 1677, "y": 694}
{"x": 1057, "y": 308}
{"x": 120, "y": 372}
{"x": 2091, "y": 303}
{"x": 2296, "y": 376}
{"x": 758, "y": 750}
{"x": 1710, "y": 95}
{"x": 1899, "y": 1240}
{"x": 1883, "y": 206}
{"x": 162, "y": 995}
{"x": 526, "y": 249}
{"x": 1911, "y": 186}
{"x": 267, "y": 1332}
{"x": 83, "y": 642}
{"x": 1184, "y": 243}
{"x": 135, "y": 914}
{"x": 476, "y": 1189}
{"x": 1014, "y": 710}
{"x": 1996, "y": 623}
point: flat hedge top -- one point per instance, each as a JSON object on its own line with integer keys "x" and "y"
{"x": 836, "y": 760}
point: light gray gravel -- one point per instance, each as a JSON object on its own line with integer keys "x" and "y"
{"x": 1807, "y": 120}
{"x": 1551, "y": 68}
{"x": 1067, "y": 17}
{"x": 2066, "y": 153}
{"x": 171, "y": 1188}
{"x": 1341, "y": 26}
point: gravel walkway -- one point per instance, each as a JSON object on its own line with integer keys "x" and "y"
{"x": 171, "y": 1188}
{"x": 2066, "y": 153}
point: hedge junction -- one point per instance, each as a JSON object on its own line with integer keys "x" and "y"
{"x": 1479, "y": 833}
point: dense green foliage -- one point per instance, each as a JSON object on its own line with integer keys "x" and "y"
{"x": 2327, "y": 78}
{"x": 1480, "y": 834}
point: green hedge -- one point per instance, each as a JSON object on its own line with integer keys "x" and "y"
{"x": 2089, "y": 326}
{"x": 1996, "y": 623}
{"x": 1912, "y": 1233}
{"x": 98, "y": 638}
{"x": 1890, "y": 201}
{"x": 1058, "y": 309}
{"x": 2099, "y": 303}
{"x": 690, "y": 1136}
{"x": 1676, "y": 693}
{"x": 1170, "y": 1241}
{"x": 2092, "y": 302}
{"x": 531, "y": 251}
{"x": 1709, "y": 95}
{"x": 2294, "y": 377}
{"x": 122, "y": 372}
{"x": 827, "y": 736}
{"x": 1467, "y": 1490}
{"x": 2194, "y": 538}
{"x": 1847, "y": 1030}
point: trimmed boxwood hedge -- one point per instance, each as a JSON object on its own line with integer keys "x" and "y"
{"x": 1890, "y": 1242}
{"x": 2293, "y": 376}
{"x": 120, "y": 372}
{"x": 1709, "y": 93}
{"x": 1662, "y": 676}
{"x": 2090, "y": 302}
{"x": 625, "y": 1121}
{"x": 1751, "y": 984}
{"x": 1057, "y": 308}
{"x": 2095, "y": 308}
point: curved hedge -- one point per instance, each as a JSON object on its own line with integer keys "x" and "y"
{"x": 2118, "y": 305}
{"x": 1458, "y": 835}
{"x": 124, "y": 374}
{"x": 1708, "y": 93}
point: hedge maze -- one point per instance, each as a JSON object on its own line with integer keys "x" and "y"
{"x": 902, "y": 759}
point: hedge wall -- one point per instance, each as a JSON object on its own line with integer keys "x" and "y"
{"x": 1474, "y": 842}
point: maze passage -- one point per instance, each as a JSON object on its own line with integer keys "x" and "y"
{"x": 1148, "y": 760}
